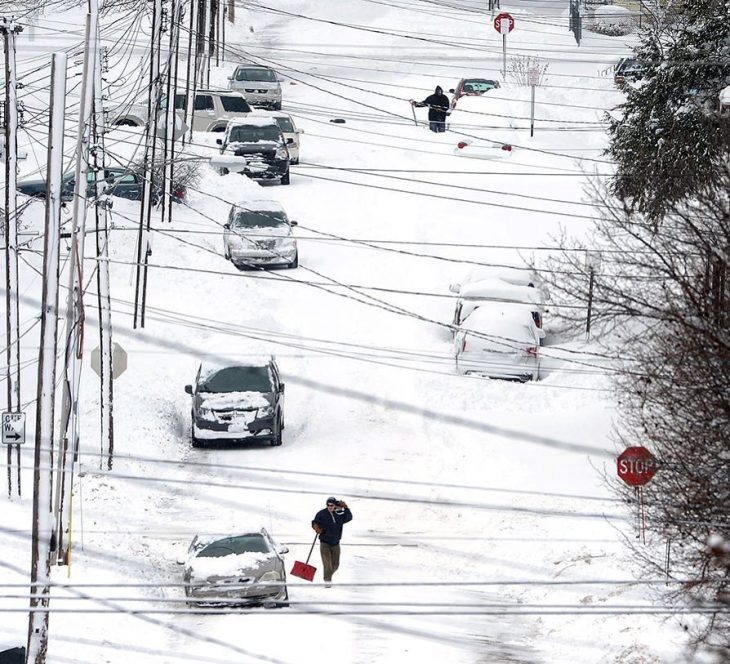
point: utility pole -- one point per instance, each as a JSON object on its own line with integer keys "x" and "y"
{"x": 191, "y": 69}
{"x": 151, "y": 182}
{"x": 12, "y": 318}
{"x": 102, "y": 207}
{"x": 75, "y": 297}
{"x": 43, "y": 533}
{"x": 171, "y": 87}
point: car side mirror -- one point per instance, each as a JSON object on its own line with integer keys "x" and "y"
{"x": 300, "y": 131}
{"x": 455, "y": 288}
{"x": 219, "y": 141}
{"x": 294, "y": 223}
{"x": 283, "y": 549}
{"x": 281, "y": 387}
{"x": 230, "y": 78}
{"x": 181, "y": 561}
{"x": 290, "y": 141}
{"x": 451, "y": 91}
{"x": 227, "y": 227}
{"x": 188, "y": 389}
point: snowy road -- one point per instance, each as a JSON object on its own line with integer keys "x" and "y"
{"x": 388, "y": 218}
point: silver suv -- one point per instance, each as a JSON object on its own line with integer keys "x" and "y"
{"x": 260, "y": 85}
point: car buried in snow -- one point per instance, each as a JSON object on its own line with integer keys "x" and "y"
{"x": 258, "y": 233}
{"x": 254, "y": 147}
{"x": 237, "y": 402}
{"x": 499, "y": 340}
{"x": 473, "y": 294}
{"x": 246, "y": 569}
{"x": 471, "y": 87}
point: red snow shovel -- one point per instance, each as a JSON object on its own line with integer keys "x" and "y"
{"x": 304, "y": 570}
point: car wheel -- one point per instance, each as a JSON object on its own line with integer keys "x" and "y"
{"x": 284, "y": 604}
{"x": 226, "y": 254}
{"x": 195, "y": 441}
{"x": 295, "y": 262}
{"x": 285, "y": 179}
{"x": 295, "y": 161}
{"x": 278, "y": 438}
{"x": 277, "y": 106}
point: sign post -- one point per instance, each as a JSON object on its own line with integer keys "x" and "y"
{"x": 532, "y": 78}
{"x": 504, "y": 24}
{"x": 636, "y": 466}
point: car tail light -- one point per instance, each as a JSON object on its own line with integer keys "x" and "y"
{"x": 531, "y": 351}
{"x": 179, "y": 193}
{"x": 461, "y": 145}
{"x": 619, "y": 80}
{"x": 507, "y": 148}
{"x": 463, "y": 344}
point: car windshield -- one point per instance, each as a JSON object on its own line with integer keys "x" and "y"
{"x": 254, "y": 133}
{"x": 262, "y": 75}
{"x": 258, "y": 218}
{"x": 285, "y": 124}
{"x": 478, "y": 85}
{"x": 238, "y": 379}
{"x": 235, "y": 104}
{"x": 227, "y": 546}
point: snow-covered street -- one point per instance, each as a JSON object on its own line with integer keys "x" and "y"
{"x": 483, "y": 529}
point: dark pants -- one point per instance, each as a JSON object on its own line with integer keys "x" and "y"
{"x": 330, "y": 559}
{"x": 437, "y": 125}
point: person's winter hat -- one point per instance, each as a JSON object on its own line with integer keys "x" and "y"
{"x": 332, "y": 500}
{"x": 439, "y": 90}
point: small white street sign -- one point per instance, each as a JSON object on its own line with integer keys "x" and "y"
{"x": 13, "y": 428}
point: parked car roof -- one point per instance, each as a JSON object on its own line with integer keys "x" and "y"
{"x": 252, "y": 120}
{"x": 260, "y": 205}
{"x": 498, "y": 289}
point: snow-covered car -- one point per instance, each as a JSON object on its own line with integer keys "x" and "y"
{"x": 255, "y": 147}
{"x": 482, "y": 149}
{"x": 213, "y": 109}
{"x": 499, "y": 340}
{"x": 259, "y": 233}
{"x": 289, "y": 130}
{"x": 473, "y": 294}
{"x": 469, "y": 87}
{"x": 239, "y": 402}
{"x": 229, "y": 570}
{"x": 260, "y": 85}
{"x": 627, "y": 70}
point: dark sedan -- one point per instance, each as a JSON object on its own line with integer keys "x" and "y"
{"x": 119, "y": 182}
{"x": 237, "y": 403}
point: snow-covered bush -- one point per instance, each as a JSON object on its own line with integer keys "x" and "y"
{"x": 519, "y": 69}
{"x": 608, "y": 20}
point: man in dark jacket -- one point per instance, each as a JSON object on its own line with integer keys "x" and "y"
{"x": 438, "y": 109}
{"x": 328, "y": 524}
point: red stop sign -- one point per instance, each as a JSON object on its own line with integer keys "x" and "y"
{"x": 507, "y": 26}
{"x": 636, "y": 466}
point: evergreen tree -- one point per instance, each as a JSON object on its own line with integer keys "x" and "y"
{"x": 671, "y": 139}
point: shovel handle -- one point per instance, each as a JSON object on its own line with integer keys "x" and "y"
{"x": 316, "y": 535}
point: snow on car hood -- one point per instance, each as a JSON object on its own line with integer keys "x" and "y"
{"x": 226, "y": 400}
{"x": 282, "y": 230}
{"x": 229, "y": 565}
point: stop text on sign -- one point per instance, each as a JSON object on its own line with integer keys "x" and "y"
{"x": 636, "y": 466}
